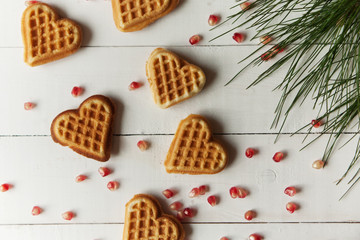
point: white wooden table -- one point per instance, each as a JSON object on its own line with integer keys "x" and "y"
{"x": 43, "y": 172}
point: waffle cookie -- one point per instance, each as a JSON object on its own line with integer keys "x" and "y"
{"x": 144, "y": 220}
{"x": 46, "y": 36}
{"x": 134, "y": 15}
{"x": 88, "y": 129}
{"x": 193, "y": 150}
{"x": 172, "y": 80}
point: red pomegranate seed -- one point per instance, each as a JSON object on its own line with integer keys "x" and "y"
{"x": 224, "y": 238}
{"x": 255, "y": 236}
{"x": 104, "y": 171}
{"x": 4, "y": 187}
{"x": 238, "y": 37}
{"x": 28, "y": 3}
{"x": 168, "y": 193}
{"x": 249, "y": 215}
{"x": 29, "y": 105}
{"x": 316, "y": 123}
{"x": 194, "y": 192}
{"x": 67, "y": 215}
{"x": 143, "y": 145}
{"x": 113, "y": 185}
{"x": 245, "y": 6}
{"x": 213, "y": 20}
{"x": 134, "y": 85}
{"x": 242, "y": 193}
{"x": 212, "y": 200}
{"x": 203, "y": 189}
{"x": 194, "y": 39}
{"x": 36, "y": 211}
{"x": 77, "y": 91}
{"x": 265, "y": 39}
{"x": 249, "y": 152}
{"x": 176, "y": 206}
{"x": 234, "y": 192}
{"x": 188, "y": 212}
{"x": 291, "y": 207}
{"x": 291, "y": 191}
{"x": 318, "y": 164}
{"x": 278, "y": 156}
{"x": 80, "y": 178}
{"x": 180, "y": 215}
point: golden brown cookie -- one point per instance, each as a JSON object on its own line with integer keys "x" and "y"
{"x": 144, "y": 220}
{"x": 134, "y": 15}
{"x": 46, "y": 36}
{"x": 88, "y": 129}
{"x": 193, "y": 149}
{"x": 172, "y": 80}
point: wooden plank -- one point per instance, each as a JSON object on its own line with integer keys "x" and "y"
{"x": 95, "y": 18}
{"x": 109, "y": 71}
{"x": 43, "y": 173}
{"x": 193, "y": 231}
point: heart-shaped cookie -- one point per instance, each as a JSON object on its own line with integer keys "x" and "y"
{"x": 134, "y": 15}
{"x": 172, "y": 79}
{"x": 193, "y": 150}
{"x": 144, "y": 220}
{"x": 88, "y": 129}
{"x": 46, "y": 37}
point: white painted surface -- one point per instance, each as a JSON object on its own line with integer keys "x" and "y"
{"x": 43, "y": 172}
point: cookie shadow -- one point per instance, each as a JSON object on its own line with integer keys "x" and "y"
{"x": 86, "y": 32}
{"x": 119, "y": 108}
{"x": 217, "y": 129}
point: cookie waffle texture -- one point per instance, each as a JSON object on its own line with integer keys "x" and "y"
{"x": 46, "y": 37}
{"x": 193, "y": 150}
{"x": 134, "y": 15}
{"x": 144, "y": 220}
{"x": 88, "y": 129}
{"x": 172, "y": 79}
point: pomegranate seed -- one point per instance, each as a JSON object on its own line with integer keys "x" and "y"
{"x": 271, "y": 53}
{"x": 249, "y": 152}
{"x": 143, "y": 145}
{"x": 67, "y": 215}
{"x": 28, "y": 3}
{"x": 180, "y": 215}
{"x": 80, "y": 178}
{"x": 134, "y": 85}
{"x": 265, "y": 39}
{"x": 176, "y": 206}
{"x": 77, "y": 91}
{"x": 29, "y": 105}
{"x": 104, "y": 171}
{"x": 238, "y": 37}
{"x": 291, "y": 207}
{"x": 212, "y": 200}
{"x": 188, "y": 212}
{"x": 194, "y": 193}
{"x": 113, "y": 185}
{"x": 278, "y": 156}
{"x": 168, "y": 193}
{"x": 203, "y": 189}
{"x": 245, "y": 6}
{"x": 224, "y": 238}
{"x": 234, "y": 192}
{"x": 213, "y": 20}
{"x": 194, "y": 39}
{"x": 318, "y": 164}
{"x": 249, "y": 215}
{"x": 4, "y": 187}
{"x": 316, "y": 123}
{"x": 291, "y": 191}
{"x": 242, "y": 193}
{"x": 255, "y": 236}
{"x": 36, "y": 211}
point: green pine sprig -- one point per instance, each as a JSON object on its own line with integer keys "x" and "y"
{"x": 322, "y": 43}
